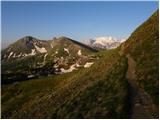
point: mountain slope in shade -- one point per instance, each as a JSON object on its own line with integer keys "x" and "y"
{"x": 27, "y": 46}
{"x": 36, "y": 57}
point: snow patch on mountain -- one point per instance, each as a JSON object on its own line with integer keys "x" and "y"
{"x": 44, "y": 60}
{"x": 77, "y": 65}
{"x": 72, "y": 67}
{"x": 33, "y": 52}
{"x": 41, "y": 50}
{"x": 79, "y": 52}
{"x": 66, "y": 50}
{"x": 11, "y": 53}
{"x": 56, "y": 52}
{"x": 19, "y": 55}
{"x": 88, "y": 64}
{"x": 51, "y": 45}
{"x": 56, "y": 66}
{"x": 14, "y": 55}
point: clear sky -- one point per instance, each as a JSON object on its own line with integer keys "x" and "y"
{"x": 78, "y": 20}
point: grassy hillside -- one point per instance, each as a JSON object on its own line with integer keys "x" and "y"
{"x": 73, "y": 46}
{"x": 143, "y": 47}
{"x": 90, "y": 90}
{"x": 105, "y": 98}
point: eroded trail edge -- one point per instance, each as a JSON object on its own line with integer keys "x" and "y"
{"x": 141, "y": 103}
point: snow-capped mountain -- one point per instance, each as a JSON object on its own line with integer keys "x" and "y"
{"x": 107, "y": 42}
{"x": 26, "y": 46}
{"x": 31, "y": 57}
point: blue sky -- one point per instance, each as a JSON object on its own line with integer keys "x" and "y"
{"x": 78, "y": 20}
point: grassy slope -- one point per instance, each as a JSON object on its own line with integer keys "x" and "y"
{"x": 72, "y": 46}
{"x": 105, "y": 98}
{"x": 90, "y": 90}
{"x": 143, "y": 48}
{"x": 21, "y": 64}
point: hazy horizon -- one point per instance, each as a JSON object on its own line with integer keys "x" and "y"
{"x": 77, "y": 20}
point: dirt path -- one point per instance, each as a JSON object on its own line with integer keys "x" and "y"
{"x": 141, "y": 103}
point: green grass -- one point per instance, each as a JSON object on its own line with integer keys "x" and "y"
{"x": 13, "y": 96}
{"x": 105, "y": 98}
{"x": 49, "y": 96}
{"x": 143, "y": 46}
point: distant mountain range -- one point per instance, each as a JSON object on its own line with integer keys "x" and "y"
{"x": 34, "y": 57}
{"x": 30, "y": 46}
{"x": 107, "y": 42}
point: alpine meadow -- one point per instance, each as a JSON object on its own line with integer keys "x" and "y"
{"x": 101, "y": 77}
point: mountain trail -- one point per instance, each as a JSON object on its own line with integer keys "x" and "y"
{"x": 141, "y": 103}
